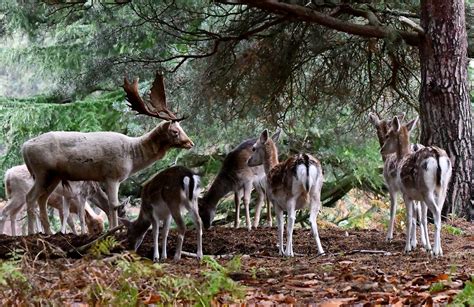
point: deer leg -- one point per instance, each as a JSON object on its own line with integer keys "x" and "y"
{"x": 393, "y": 212}
{"x": 258, "y": 206}
{"x": 409, "y": 224}
{"x": 279, "y": 220}
{"x": 194, "y": 211}
{"x": 181, "y": 230}
{"x": 269, "y": 210}
{"x": 43, "y": 204}
{"x": 424, "y": 222}
{"x": 237, "y": 209}
{"x": 31, "y": 199}
{"x": 155, "y": 224}
{"x": 112, "y": 193}
{"x": 315, "y": 206}
{"x": 290, "y": 225}
{"x": 246, "y": 191}
{"x": 81, "y": 214}
{"x": 416, "y": 213}
{"x": 11, "y": 209}
{"x": 70, "y": 222}
{"x": 436, "y": 211}
{"x": 65, "y": 214}
{"x": 166, "y": 228}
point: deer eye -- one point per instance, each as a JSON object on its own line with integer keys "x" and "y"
{"x": 253, "y": 148}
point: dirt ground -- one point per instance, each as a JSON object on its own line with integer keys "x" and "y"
{"x": 359, "y": 266}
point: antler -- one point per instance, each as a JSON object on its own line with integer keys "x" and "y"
{"x": 156, "y": 105}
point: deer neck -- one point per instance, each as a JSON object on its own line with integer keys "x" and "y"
{"x": 219, "y": 188}
{"x": 271, "y": 156}
{"x": 150, "y": 147}
{"x": 141, "y": 224}
{"x": 403, "y": 146}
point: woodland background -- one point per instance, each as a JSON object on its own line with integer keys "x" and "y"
{"x": 235, "y": 70}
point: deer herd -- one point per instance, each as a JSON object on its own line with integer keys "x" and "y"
{"x": 65, "y": 170}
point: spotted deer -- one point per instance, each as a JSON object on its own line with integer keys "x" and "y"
{"x": 390, "y": 175}
{"x": 237, "y": 177}
{"x": 422, "y": 175}
{"x": 106, "y": 157}
{"x": 292, "y": 185}
{"x": 18, "y": 181}
{"x": 165, "y": 196}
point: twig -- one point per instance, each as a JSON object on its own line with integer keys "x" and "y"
{"x": 369, "y": 251}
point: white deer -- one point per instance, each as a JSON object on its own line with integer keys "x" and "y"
{"x": 107, "y": 157}
{"x": 390, "y": 176}
{"x": 165, "y": 196}
{"x": 292, "y": 184}
{"x": 18, "y": 182}
{"x": 422, "y": 175}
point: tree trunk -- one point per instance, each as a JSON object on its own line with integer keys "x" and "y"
{"x": 445, "y": 108}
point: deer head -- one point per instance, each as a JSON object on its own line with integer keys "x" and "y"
{"x": 397, "y": 139}
{"x": 263, "y": 147}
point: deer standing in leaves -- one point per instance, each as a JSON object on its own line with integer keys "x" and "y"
{"x": 390, "y": 176}
{"x": 107, "y": 157}
{"x": 164, "y": 196}
{"x": 292, "y": 185}
{"x": 422, "y": 175}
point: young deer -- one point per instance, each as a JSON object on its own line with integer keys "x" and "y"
{"x": 422, "y": 175}
{"x": 165, "y": 196}
{"x": 291, "y": 186}
{"x": 18, "y": 181}
{"x": 236, "y": 176}
{"x": 390, "y": 176}
{"x": 107, "y": 157}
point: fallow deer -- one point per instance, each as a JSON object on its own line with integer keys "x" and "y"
{"x": 292, "y": 184}
{"x": 165, "y": 196}
{"x": 107, "y": 157}
{"x": 236, "y": 176}
{"x": 390, "y": 176}
{"x": 18, "y": 181}
{"x": 423, "y": 176}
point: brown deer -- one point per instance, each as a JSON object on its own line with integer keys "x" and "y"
{"x": 423, "y": 176}
{"x": 237, "y": 177}
{"x": 165, "y": 196}
{"x": 18, "y": 181}
{"x": 390, "y": 176}
{"x": 106, "y": 157}
{"x": 292, "y": 184}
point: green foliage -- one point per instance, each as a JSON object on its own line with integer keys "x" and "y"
{"x": 453, "y": 230}
{"x": 166, "y": 288}
{"x": 436, "y": 287}
{"x": 103, "y": 247}
{"x": 466, "y": 296}
{"x": 10, "y": 273}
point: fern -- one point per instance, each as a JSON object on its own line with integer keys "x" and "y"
{"x": 103, "y": 247}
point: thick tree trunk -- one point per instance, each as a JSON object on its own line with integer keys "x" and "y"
{"x": 445, "y": 108}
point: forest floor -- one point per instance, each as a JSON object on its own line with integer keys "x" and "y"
{"x": 358, "y": 267}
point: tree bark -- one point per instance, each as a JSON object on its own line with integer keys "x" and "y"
{"x": 445, "y": 108}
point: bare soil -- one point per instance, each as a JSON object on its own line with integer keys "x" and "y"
{"x": 358, "y": 267}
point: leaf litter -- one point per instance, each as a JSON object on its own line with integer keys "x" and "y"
{"x": 359, "y": 267}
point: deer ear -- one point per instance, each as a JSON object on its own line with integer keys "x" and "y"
{"x": 374, "y": 119}
{"x": 276, "y": 135}
{"x": 411, "y": 124}
{"x": 396, "y": 123}
{"x": 264, "y": 136}
{"x": 401, "y": 116}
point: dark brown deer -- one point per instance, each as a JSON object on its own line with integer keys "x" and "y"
{"x": 237, "y": 177}
{"x": 165, "y": 196}
{"x": 292, "y": 185}
{"x": 107, "y": 157}
{"x": 422, "y": 175}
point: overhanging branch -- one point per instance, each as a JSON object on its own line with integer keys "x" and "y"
{"x": 306, "y": 14}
